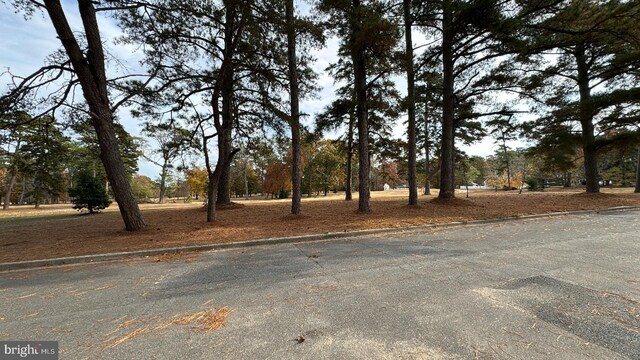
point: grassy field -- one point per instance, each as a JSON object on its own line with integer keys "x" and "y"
{"x": 58, "y": 230}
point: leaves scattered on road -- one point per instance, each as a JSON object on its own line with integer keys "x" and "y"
{"x": 188, "y": 257}
{"x": 208, "y": 320}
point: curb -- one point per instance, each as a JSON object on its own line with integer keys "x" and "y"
{"x": 84, "y": 259}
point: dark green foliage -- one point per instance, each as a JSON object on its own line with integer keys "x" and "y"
{"x": 89, "y": 193}
{"x": 535, "y": 184}
{"x": 283, "y": 194}
{"x": 590, "y": 86}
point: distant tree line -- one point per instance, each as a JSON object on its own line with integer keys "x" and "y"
{"x": 224, "y": 78}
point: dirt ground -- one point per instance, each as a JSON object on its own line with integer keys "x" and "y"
{"x": 57, "y": 230}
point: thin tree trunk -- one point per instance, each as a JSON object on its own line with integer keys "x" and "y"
{"x": 447, "y": 177}
{"x": 411, "y": 104}
{"x": 586, "y": 121}
{"x": 246, "y": 181}
{"x": 349, "y": 175}
{"x": 427, "y": 149}
{"x": 506, "y": 159}
{"x": 296, "y": 142}
{"x": 37, "y": 193}
{"x": 163, "y": 183}
{"x": 23, "y": 190}
{"x": 360, "y": 84}
{"x": 637, "y": 189}
{"x": 12, "y": 181}
{"x": 90, "y": 71}
{"x": 7, "y": 194}
{"x": 466, "y": 184}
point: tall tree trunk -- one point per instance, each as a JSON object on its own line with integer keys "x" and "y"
{"x": 215, "y": 173}
{"x": 117, "y": 175}
{"x": 224, "y": 182}
{"x": 349, "y": 175}
{"x": 23, "y": 190}
{"x": 229, "y": 118}
{"x": 223, "y": 118}
{"x": 427, "y": 149}
{"x": 225, "y": 129}
{"x": 212, "y": 194}
{"x": 637, "y": 189}
{"x": 224, "y": 187}
{"x": 37, "y": 192}
{"x": 360, "y": 85}
{"x": 427, "y": 174}
{"x": 586, "y": 121}
{"x": 447, "y": 177}
{"x": 90, "y": 71}
{"x": 246, "y": 181}
{"x": 296, "y": 142}
{"x": 506, "y": 159}
{"x": 163, "y": 183}
{"x": 7, "y": 194}
{"x": 411, "y": 103}
{"x": 12, "y": 181}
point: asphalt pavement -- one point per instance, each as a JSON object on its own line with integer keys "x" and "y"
{"x": 558, "y": 288}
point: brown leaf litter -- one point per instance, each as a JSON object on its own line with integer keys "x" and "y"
{"x": 208, "y": 320}
{"x": 173, "y": 225}
{"x": 188, "y": 257}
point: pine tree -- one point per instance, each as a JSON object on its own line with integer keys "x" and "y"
{"x": 89, "y": 193}
{"x": 86, "y": 62}
{"x": 588, "y": 88}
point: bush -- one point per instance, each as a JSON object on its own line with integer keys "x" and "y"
{"x": 89, "y": 193}
{"x": 283, "y": 194}
{"x": 535, "y": 184}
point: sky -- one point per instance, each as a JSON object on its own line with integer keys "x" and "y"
{"x": 25, "y": 44}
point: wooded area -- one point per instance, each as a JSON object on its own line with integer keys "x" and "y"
{"x": 219, "y": 100}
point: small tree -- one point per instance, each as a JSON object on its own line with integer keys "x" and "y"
{"x": 89, "y": 193}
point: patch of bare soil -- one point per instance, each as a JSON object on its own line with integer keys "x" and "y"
{"x": 29, "y": 238}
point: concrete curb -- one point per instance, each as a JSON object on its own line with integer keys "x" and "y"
{"x": 20, "y": 265}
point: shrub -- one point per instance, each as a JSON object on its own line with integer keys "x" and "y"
{"x": 89, "y": 193}
{"x": 283, "y": 194}
{"x": 534, "y": 184}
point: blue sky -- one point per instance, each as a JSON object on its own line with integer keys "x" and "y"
{"x": 25, "y": 44}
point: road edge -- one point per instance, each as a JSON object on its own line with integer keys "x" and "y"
{"x": 88, "y": 259}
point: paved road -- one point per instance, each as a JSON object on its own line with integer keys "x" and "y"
{"x": 558, "y": 288}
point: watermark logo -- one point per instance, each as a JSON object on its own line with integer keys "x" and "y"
{"x": 31, "y": 350}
